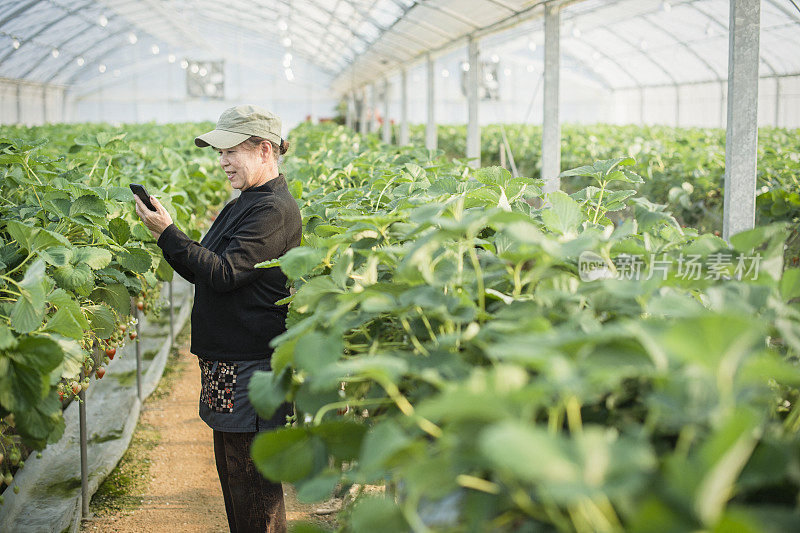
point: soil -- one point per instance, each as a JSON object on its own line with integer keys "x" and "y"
{"x": 173, "y": 450}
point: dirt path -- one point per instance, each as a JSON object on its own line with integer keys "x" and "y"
{"x": 183, "y": 493}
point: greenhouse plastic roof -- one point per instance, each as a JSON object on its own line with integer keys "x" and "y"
{"x": 623, "y": 43}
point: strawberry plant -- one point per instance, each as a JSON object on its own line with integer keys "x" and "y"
{"x": 443, "y": 343}
{"x": 73, "y": 254}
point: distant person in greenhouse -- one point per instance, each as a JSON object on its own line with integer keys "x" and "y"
{"x": 235, "y": 315}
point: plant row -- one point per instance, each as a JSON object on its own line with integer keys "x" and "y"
{"x": 496, "y": 359}
{"x": 73, "y": 258}
{"x": 683, "y": 167}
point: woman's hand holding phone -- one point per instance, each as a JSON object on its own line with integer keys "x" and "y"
{"x": 156, "y": 221}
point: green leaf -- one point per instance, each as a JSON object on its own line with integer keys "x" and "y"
{"x": 120, "y": 230}
{"x": 286, "y": 454}
{"x": 299, "y": 261}
{"x": 7, "y": 339}
{"x": 381, "y": 442}
{"x": 115, "y": 295}
{"x": 72, "y": 362}
{"x": 64, "y": 323}
{"x": 88, "y": 204}
{"x": 135, "y": 260}
{"x": 265, "y": 393}
{"x": 296, "y": 189}
{"x": 102, "y": 320}
{"x": 28, "y": 312}
{"x": 95, "y": 258}
{"x": 314, "y": 351}
{"x": 563, "y": 215}
{"x": 164, "y": 271}
{"x": 41, "y": 353}
{"x": 790, "y": 284}
{"x": 342, "y": 439}
{"x": 21, "y": 233}
{"x": 375, "y": 513}
{"x": 493, "y": 176}
{"x": 45, "y": 239}
{"x": 58, "y": 256}
{"x": 74, "y": 277}
{"x": 318, "y": 488}
{"x": 43, "y": 423}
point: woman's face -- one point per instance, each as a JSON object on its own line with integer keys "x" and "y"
{"x": 244, "y": 164}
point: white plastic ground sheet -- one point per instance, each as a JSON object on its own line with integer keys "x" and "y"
{"x": 49, "y": 499}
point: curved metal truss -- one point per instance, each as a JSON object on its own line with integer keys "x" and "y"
{"x": 349, "y": 43}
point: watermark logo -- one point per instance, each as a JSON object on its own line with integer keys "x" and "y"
{"x": 717, "y": 266}
{"x": 592, "y": 267}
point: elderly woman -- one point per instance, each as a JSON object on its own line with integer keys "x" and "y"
{"x": 235, "y": 315}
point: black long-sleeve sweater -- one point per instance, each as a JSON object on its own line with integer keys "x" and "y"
{"x": 234, "y": 316}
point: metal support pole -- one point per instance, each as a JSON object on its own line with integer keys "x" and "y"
{"x": 777, "y": 102}
{"x": 84, "y": 445}
{"x": 373, "y": 107}
{"x": 19, "y": 103}
{"x": 348, "y": 114}
{"x": 404, "y": 138}
{"x": 503, "y": 155}
{"x": 138, "y": 343}
{"x": 641, "y": 105}
{"x": 742, "y": 131}
{"x": 473, "y": 128}
{"x": 430, "y": 127}
{"x": 551, "y": 131}
{"x": 677, "y": 106}
{"x": 386, "y": 130}
{"x": 171, "y": 318}
{"x": 362, "y": 121}
{"x": 722, "y": 106}
{"x": 44, "y": 104}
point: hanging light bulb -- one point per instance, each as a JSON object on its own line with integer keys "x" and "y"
{"x": 171, "y": 58}
{"x": 666, "y": 7}
{"x": 644, "y": 45}
{"x": 287, "y": 62}
{"x": 576, "y": 32}
{"x": 286, "y": 41}
{"x": 55, "y": 52}
{"x": 282, "y": 25}
{"x": 289, "y": 74}
{"x": 709, "y": 30}
{"x": 184, "y": 64}
{"x": 203, "y": 72}
{"x": 532, "y": 46}
{"x": 101, "y": 68}
{"x": 465, "y": 66}
{"x": 132, "y": 38}
{"x": 80, "y": 61}
{"x": 194, "y": 68}
{"x": 529, "y": 68}
{"x": 103, "y": 21}
{"x": 15, "y": 44}
{"x": 445, "y": 73}
{"x": 155, "y": 49}
{"x": 495, "y": 58}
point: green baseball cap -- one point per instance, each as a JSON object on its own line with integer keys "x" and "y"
{"x": 238, "y": 124}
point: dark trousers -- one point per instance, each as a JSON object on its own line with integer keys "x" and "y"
{"x": 253, "y": 503}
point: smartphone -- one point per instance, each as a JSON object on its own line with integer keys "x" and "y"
{"x": 141, "y": 192}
